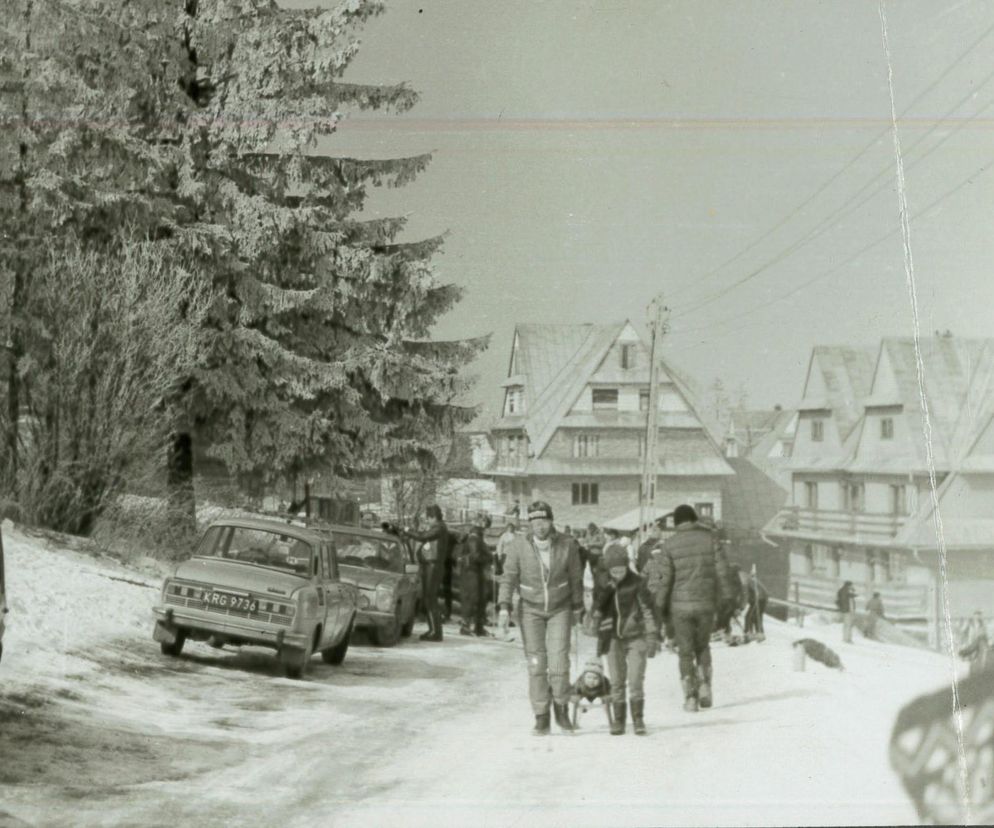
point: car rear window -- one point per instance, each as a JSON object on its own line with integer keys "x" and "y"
{"x": 259, "y": 546}
{"x": 371, "y": 553}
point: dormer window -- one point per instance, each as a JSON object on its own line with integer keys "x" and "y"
{"x": 627, "y": 356}
{"x": 817, "y": 431}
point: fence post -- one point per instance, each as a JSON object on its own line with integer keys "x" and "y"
{"x": 797, "y": 600}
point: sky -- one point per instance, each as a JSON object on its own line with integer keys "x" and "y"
{"x": 591, "y": 155}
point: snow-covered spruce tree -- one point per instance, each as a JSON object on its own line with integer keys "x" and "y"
{"x": 320, "y": 353}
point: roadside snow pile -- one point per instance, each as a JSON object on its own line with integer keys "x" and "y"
{"x": 62, "y": 602}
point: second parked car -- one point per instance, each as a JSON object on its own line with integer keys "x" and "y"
{"x": 380, "y": 566}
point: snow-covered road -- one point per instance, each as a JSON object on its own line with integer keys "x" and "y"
{"x": 97, "y": 728}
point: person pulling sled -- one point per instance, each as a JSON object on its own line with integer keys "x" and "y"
{"x": 628, "y": 636}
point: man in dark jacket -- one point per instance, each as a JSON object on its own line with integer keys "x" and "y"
{"x": 756, "y": 598}
{"x": 544, "y": 568}
{"x": 845, "y": 600}
{"x": 727, "y": 610}
{"x": 473, "y": 581}
{"x": 435, "y": 550}
{"x": 686, "y": 576}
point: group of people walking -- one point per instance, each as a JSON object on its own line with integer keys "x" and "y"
{"x": 685, "y": 581}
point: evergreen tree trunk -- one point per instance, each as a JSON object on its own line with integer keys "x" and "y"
{"x": 15, "y": 338}
{"x": 182, "y": 502}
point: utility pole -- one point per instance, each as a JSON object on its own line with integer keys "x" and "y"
{"x": 658, "y": 317}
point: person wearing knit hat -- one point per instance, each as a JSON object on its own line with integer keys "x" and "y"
{"x": 628, "y": 635}
{"x": 544, "y": 569}
{"x": 436, "y": 549}
{"x": 685, "y": 576}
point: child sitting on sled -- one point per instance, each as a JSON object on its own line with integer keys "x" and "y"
{"x": 591, "y": 686}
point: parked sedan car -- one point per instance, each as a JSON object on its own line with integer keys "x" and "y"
{"x": 260, "y": 581}
{"x": 380, "y": 567}
{"x": 3, "y": 596}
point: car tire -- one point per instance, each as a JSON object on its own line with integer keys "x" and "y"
{"x": 336, "y": 655}
{"x": 388, "y": 636}
{"x": 408, "y": 626}
{"x": 176, "y": 647}
{"x": 295, "y": 661}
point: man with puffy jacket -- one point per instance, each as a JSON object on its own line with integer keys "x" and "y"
{"x": 544, "y": 568}
{"x": 685, "y": 577}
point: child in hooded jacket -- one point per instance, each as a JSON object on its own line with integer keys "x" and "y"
{"x": 628, "y": 635}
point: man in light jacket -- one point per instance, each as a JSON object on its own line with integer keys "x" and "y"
{"x": 544, "y": 568}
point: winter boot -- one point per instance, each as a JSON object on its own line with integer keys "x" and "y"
{"x": 562, "y": 717}
{"x": 618, "y": 721}
{"x": 704, "y": 686}
{"x": 689, "y": 694}
{"x": 638, "y": 711}
{"x": 542, "y": 724}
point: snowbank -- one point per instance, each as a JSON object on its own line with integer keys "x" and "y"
{"x": 63, "y": 602}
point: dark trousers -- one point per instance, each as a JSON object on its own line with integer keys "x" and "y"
{"x": 431, "y": 578}
{"x": 754, "y": 617}
{"x": 473, "y": 598}
{"x": 447, "y": 587}
{"x": 693, "y": 639}
{"x": 723, "y": 620}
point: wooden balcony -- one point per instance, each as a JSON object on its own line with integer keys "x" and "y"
{"x": 859, "y": 527}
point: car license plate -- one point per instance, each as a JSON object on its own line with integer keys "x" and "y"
{"x": 228, "y": 601}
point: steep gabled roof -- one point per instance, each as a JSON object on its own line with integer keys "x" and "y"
{"x": 845, "y": 375}
{"x": 956, "y": 384}
{"x": 750, "y": 499}
{"x": 554, "y": 363}
{"x": 556, "y": 399}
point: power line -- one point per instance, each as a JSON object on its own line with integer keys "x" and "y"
{"x": 797, "y": 288}
{"x": 843, "y": 210}
{"x": 832, "y": 179}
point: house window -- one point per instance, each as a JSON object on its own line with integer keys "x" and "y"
{"x": 704, "y": 510}
{"x": 627, "y": 356}
{"x": 817, "y": 431}
{"x": 604, "y": 399}
{"x": 898, "y": 500}
{"x": 586, "y": 445}
{"x": 514, "y": 400}
{"x": 644, "y": 400}
{"x": 811, "y": 494}
{"x": 820, "y": 559}
{"x": 853, "y": 496}
{"x": 585, "y": 494}
{"x": 895, "y": 567}
{"x": 856, "y": 499}
{"x": 887, "y": 428}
